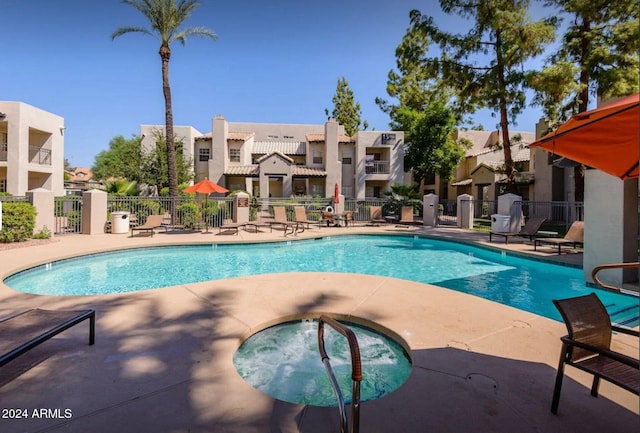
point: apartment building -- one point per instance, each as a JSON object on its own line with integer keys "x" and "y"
{"x": 281, "y": 160}
{"x": 481, "y": 172}
{"x": 31, "y": 149}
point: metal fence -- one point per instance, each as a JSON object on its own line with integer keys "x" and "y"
{"x": 68, "y": 215}
{"x": 315, "y": 206}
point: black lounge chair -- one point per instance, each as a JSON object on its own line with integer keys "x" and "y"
{"x": 574, "y": 237}
{"x": 24, "y": 331}
{"x": 529, "y": 230}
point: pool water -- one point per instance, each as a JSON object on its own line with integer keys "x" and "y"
{"x": 529, "y": 285}
{"x": 283, "y": 362}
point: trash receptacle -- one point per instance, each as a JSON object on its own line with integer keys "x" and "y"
{"x": 119, "y": 222}
{"x": 500, "y": 223}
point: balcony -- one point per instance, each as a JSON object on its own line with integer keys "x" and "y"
{"x": 38, "y": 155}
{"x": 377, "y": 167}
{"x": 3, "y": 151}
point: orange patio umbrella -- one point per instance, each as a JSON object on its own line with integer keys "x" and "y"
{"x": 205, "y": 186}
{"x": 605, "y": 138}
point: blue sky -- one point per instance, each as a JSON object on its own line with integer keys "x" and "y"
{"x": 275, "y": 61}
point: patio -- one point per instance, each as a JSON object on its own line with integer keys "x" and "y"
{"x": 162, "y": 361}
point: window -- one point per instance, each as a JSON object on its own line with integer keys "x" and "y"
{"x": 317, "y": 157}
{"x": 204, "y": 155}
{"x": 346, "y": 160}
{"x": 288, "y": 136}
{"x": 272, "y": 136}
{"x": 234, "y": 155}
{"x": 388, "y": 138}
{"x": 3, "y": 185}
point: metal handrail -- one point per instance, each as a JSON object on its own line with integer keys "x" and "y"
{"x": 611, "y": 266}
{"x": 356, "y": 372}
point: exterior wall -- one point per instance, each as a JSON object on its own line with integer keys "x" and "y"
{"x": 26, "y": 169}
{"x": 272, "y": 167}
{"x": 388, "y": 143}
{"x": 611, "y": 226}
{"x": 186, "y": 134}
{"x": 219, "y": 150}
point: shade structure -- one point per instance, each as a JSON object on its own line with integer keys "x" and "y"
{"x": 205, "y": 186}
{"x": 336, "y": 194}
{"x": 605, "y": 138}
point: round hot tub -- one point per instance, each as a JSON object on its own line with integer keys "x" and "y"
{"x": 283, "y": 362}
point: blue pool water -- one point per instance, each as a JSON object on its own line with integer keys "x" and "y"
{"x": 529, "y": 285}
{"x": 283, "y": 361}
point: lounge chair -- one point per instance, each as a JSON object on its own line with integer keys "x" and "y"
{"x": 376, "y": 215}
{"x": 230, "y": 226}
{"x": 280, "y": 219}
{"x": 301, "y": 216}
{"x": 153, "y": 222}
{"x": 574, "y": 236}
{"x": 530, "y": 229}
{"x": 348, "y": 218}
{"x": 263, "y": 219}
{"x": 24, "y": 331}
{"x": 588, "y": 347}
{"x": 406, "y": 216}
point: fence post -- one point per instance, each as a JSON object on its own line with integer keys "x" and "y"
{"x": 94, "y": 212}
{"x": 430, "y": 204}
{"x": 43, "y": 200}
{"x": 464, "y": 218}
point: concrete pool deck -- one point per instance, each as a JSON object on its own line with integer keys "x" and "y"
{"x": 162, "y": 361}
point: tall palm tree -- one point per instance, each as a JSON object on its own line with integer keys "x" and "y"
{"x": 165, "y": 18}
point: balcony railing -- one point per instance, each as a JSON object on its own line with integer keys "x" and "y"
{"x": 38, "y": 155}
{"x": 3, "y": 151}
{"x": 377, "y": 167}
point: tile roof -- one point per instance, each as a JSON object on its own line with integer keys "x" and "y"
{"x": 285, "y": 147}
{"x": 303, "y": 171}
{"x": 462, "y": 182}
{"x": 254, "y": 170}
{"x": 314, "y": 138}
{"x": 242, "y": 170}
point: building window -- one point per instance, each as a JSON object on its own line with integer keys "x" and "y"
{"x": 317, "y": 157}
{"x": 3, "y": 185}
{"x": 388, "y": 138}
{"x": 272, "y": 136}
{"x": 346, "y": 160}
{"x": 234, "y": 155}
{"x": 288, "y": 136}
{"x": 204, "y": 155}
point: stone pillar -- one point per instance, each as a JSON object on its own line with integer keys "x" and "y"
{"x": 94, "y": 212}
{"x": 464, "y": 215}
{"x": 43, "y": 200}
{"x": 430, "y": 203}
{"x": 241, "y": 208}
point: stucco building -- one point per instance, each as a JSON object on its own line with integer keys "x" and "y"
{"x": 31, "y": 149}
{"x": 280, "y": 160}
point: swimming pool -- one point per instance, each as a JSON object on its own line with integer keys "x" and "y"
{"x": 529, "y": 285}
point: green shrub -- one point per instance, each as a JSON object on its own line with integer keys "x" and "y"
{"x": 18, "y": 221}
{"x": 45, "y": 233}
{"x": 188, "y": 215}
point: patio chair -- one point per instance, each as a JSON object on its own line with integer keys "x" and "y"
{"x": 588, "y": 347}
{"x": 348, "y": 218}
{"x": 328, "y": 218}
{"x": 301, "y": 216}
{"x": 230, "y": 227}
{"x": 263, "y": 219}
{"x": 376, "y": 215}
{"x": 153, "y": 222}
{"x": 530, "y": 229}
{"x": 280, "y": 218}
{"x": 406, "y": 216}
{"x": 574, "y": 236}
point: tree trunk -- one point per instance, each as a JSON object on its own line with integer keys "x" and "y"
{"x": 585, "y": 45}
{"x": 504, "y": 117}
{"x": 165, "y": 55}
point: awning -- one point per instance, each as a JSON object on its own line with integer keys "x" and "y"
{"x": 605, "y": 138}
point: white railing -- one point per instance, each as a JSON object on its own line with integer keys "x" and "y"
{"x": 377, "y": 167}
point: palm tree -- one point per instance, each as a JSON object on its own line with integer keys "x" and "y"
{"x": 165, "y": 18}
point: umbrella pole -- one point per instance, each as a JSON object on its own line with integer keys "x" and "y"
{"x": 206, "y": 221}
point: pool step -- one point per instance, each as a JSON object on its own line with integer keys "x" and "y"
{"x": 627, "y": 316}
